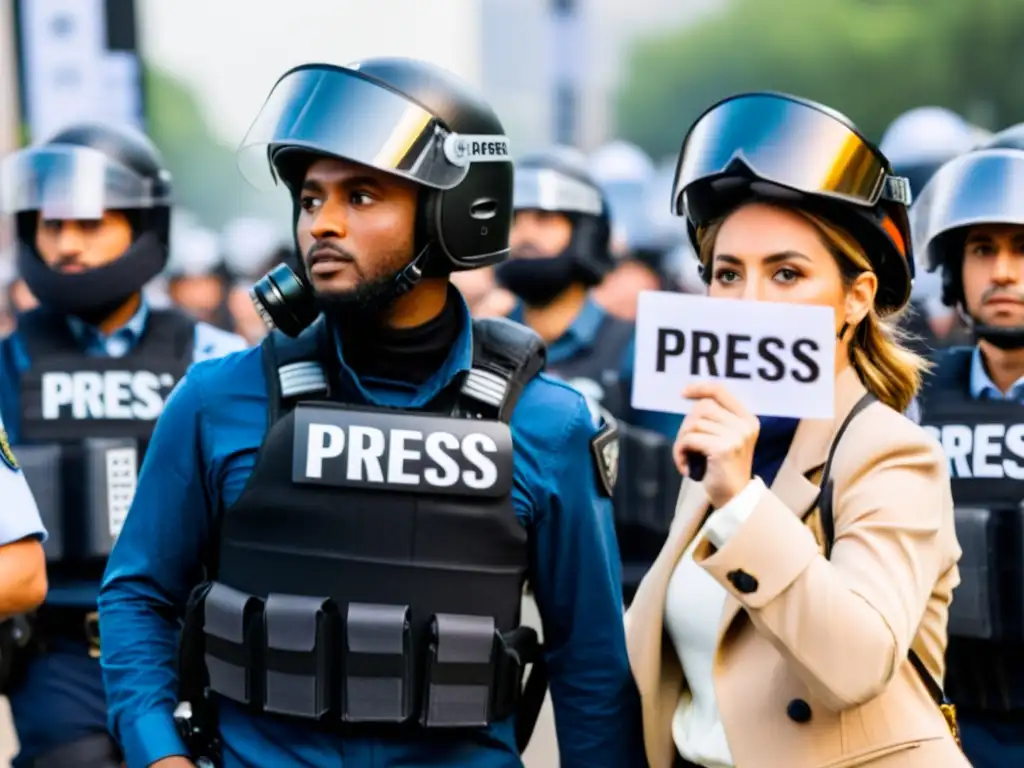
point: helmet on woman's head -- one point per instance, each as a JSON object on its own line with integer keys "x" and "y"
{"x": 780, "y": 148}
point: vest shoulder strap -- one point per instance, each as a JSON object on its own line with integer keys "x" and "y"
{"x": 171, "y": 328}
{"x": 45, "y": 333}
{"x": 292, "y": 366}
{"x": 616, "y": 333}
{"x": 506, "y": 356}
{"x": 951, "y": 374}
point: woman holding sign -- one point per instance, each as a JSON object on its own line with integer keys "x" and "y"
{"x": 780, "y": 627}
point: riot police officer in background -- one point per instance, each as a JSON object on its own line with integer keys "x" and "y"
{"x": 969, "y": 223}
{"x": 917, "y": 143}
{"x": 356, "y": 569}
{"x": 82, "y": 381}
{"x": 559, "y": 252}
{"x": 197, "y": 277}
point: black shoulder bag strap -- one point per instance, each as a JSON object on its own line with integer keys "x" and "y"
{"x": 828, "y": 528}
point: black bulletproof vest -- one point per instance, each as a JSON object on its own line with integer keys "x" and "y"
{"x": 984, "y": 444}
{"x": 372, "y": 569}
{"x": 597, "y": 370}
{"x": 85, "y": 423}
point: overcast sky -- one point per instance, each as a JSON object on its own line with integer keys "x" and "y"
{"x": 232, "y": 51}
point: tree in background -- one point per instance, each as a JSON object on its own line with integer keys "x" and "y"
{"x": 206, "y": 177}
{"x": 871, "y": 59}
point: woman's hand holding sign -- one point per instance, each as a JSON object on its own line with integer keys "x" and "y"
{"x": 725, "y": 432}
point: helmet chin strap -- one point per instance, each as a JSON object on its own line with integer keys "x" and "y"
{"x": 998, "y": 336}
{"x": 410, "y": 274}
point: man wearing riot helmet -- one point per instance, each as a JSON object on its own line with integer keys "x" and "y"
{"x": 917, "y": 143}
{"x": 969, "y": 223}
{"x": 559, "y": 253}
{"x": 346, "y": 515}
{"x": 82, "y": 381}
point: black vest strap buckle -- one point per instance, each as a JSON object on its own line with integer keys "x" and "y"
{"x": 378, "y": 664}
{"x": 299, "y": 655}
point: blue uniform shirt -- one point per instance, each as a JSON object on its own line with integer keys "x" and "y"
{"x": 982, "y": 386}
{"x": 209, "y": 342}
{"x": 19, "y": 515}
{"x": 201, "y": 455}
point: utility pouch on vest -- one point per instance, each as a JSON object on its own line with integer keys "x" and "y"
{"x": 41, "y": 466}
{"x": 648, "y": 480}
{"x": 232, "y": 625}
{"x": 978, "y": 605}
{"x": 378, "y": 680}
{"x": 458, "y": 688}
{"x": 299, "y": 646}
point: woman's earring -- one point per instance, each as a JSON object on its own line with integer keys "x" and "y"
{"x": 842, "y": 332}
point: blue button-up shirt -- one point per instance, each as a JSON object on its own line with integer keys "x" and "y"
{"x": 209, "y": 342}
{"x": 982, "y": 386}
{"x": 19, "y": 515}
{"x": 200, "y": 458}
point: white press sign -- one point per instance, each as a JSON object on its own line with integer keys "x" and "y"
{"x": 777, "y": 359}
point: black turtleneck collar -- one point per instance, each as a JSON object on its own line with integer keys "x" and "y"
{"x": 410, "y": 355}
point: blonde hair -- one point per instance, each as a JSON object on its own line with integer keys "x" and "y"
{"x": 887, "y": 368}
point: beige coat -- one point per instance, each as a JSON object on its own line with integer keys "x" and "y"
{"x": 831, "y": 635}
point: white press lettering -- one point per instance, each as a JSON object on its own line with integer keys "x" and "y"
{"x": 148, "y": 402}
{"x": 437, "y": 444}
{"x": 365, "y": 449}
{"x": 57, "y": 391}
{"x": 399, "y": 454}
{"x": 114, "y": 394}
{"x": 325, "y": 441}
{"x": 987, "y": 445}
{"x": 117, "y": 394}
{"x": 1015, "y": 445}
{"x": 473, "y": 448}
{"x": 87, "y": 402}
{"x": 956, "y": 444}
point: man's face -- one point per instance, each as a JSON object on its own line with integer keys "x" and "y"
{"x": 993, "y": 274}
{"x": 77, "y": 245}
{"x": 355, "y": 228}
{"x": 539, "y": 234}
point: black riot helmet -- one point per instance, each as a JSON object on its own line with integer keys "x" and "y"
{"x": 981, "y": 187}
{"x": 403, "y": 117}
{"x": 776, "y": 147}
{"x": 557, "y": 181}
{"x": 81, "y": 173}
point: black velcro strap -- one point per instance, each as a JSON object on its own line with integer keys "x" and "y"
{"x": 384, "y": 665}
{"x": 462, "y": 674}
{"x": 513, "y": 352}
{"x": 234, "y": 654}
{"x": 279, "y": 350}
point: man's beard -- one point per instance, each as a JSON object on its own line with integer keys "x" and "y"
{"x": 369, "y": 299}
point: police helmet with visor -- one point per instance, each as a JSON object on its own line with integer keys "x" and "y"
{"x": 80, "y": 174}
{"x": 984, "y": 187}
{"x": 772, "y": 146}
{"x": 402, "y": 117}
{"x": 557, "y": 181}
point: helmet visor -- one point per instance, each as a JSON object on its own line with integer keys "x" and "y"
{"x": 789, "y": 143}
{"x": 337, "y": 112}
{"x": 983, "y": 187}
{"x": 63, "y": 181}
{"x": 546, "y": 189}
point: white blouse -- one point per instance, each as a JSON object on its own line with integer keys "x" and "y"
{"x": 693, "y": 611}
